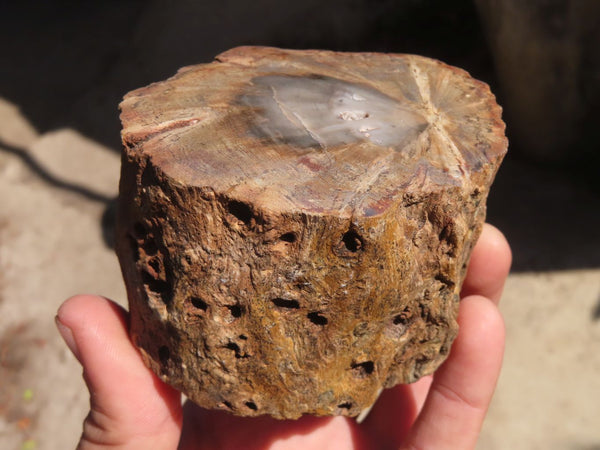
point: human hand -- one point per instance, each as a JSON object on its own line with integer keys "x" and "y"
{"x": 131, "y": 408}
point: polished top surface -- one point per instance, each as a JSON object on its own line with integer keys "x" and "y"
{"x": 318, "y": 131}
{"x": 320, "y": 111}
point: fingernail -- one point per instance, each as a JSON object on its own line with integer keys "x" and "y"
{"x": 67, "y": 335}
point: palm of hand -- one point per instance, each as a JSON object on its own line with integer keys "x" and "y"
{"x": 386, "y": 426}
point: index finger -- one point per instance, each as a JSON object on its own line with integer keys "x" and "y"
{"x": 489, "y": 265}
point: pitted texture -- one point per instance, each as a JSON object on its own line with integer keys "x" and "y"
{"x": 294, "y": 226}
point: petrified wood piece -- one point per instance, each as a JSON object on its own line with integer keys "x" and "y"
{"x": 294, "y": 226}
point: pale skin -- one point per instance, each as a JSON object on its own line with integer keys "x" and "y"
{"x": 130, "y": 408}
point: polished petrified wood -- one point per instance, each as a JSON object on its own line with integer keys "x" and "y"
{"x": 294, "y": 226}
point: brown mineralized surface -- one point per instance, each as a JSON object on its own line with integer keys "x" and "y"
{"x": 294, "y": 226}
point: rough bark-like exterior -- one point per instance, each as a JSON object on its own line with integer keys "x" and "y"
{"x": 294, "y": 226}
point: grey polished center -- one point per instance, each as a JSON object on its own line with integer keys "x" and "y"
{"x": 320, "y": 111}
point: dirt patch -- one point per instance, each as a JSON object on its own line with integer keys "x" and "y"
{"x": 18, "y": 343}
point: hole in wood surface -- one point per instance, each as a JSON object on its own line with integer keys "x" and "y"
{"x": 352, "y": 241}
{"x": 445, "y": 233}
{"x": 139, "y": 230}
{"x": 142, "y": 237}
{"x": 149, "y": 177}
{"x": 236, "y": 350}
{"x": 448, "y": 239}
{"x": 445, "y": 280}
{"x": 251, "y": 405}
{"x": 149, "y": 246}
{"x": 154, "y": 264}
{"x": 243, "y": 337}
{"x": 402, "y": 318}
{"x": 345, "y": 405}
{"x": 233, "y": 346}
{"x": 240, "y": 211}
{"x": 317, "y": 318}
{"x": 444, "y": 349}
{"x": 198, "y": 303}
{"x": 419, "y": 368}
{"x": 363, "y": 369}
{"x": 154, "y": 284}
{"x": 288, "y": 237}
{"x": 164, "y": 354}
{"x": 226, "y": 404}
{"x": 286, "y": 303}
{"x": 235, "y": 310}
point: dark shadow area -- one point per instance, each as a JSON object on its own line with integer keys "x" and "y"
{"x": 68, "y": 64}
{"x": 108, "y": 220}
{"x": 551, "y": 222}
{"x": 33, "y": 165}
{"x": 596, "y": 310}
{"x": 56, "y": 62}
{"x": 108, "y": 223}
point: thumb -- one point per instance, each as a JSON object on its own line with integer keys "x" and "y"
{"x": 462, "y": 388}
{"x": 130, "y": 408}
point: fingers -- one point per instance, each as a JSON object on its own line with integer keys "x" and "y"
{"x": 130, "y": 406}
{"x": 489, "y": 265}
{"x": 463, "y": 387}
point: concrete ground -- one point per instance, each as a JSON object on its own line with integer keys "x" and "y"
{"x": 59, "y": 168}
